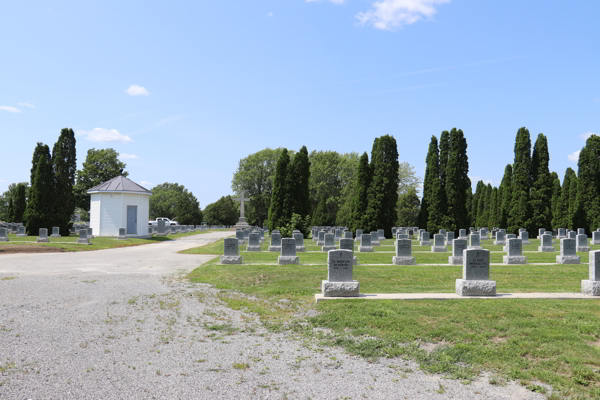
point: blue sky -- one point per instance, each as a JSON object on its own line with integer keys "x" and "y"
{"x": 187, "y": 89}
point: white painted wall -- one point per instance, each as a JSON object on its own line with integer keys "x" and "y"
{"x": 95, "y": 213}
{"x": 108, "y": 213}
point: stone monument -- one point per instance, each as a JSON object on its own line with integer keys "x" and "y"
{"x": 339, "y": 281}
{"x": 476, "y": 270}
{"x": 546, "y": 243}
{"x": 568, "y": 252}
{"x": 403, "y": 253}
{"x": 458, "y": 246}
{"x": 43, "y": 236}
{"x": 275, "y": 242}
{"x": 591, "y": 286}
{"x": 515, "y": 252}
{"x": 231, "y": 252}
{"x": 288, "y": 252}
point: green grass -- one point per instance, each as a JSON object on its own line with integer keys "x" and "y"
{"x": 69, "y": 243}
{"x": 556, "y": 342}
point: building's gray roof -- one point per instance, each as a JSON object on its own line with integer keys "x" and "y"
{"x": 120, "y": 184}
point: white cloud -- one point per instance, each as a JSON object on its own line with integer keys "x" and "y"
{"x": 574, "y": 156}
{"x": 104, "y": 135}
{"x": 136, "y": 90}
{"x": 146, "y": 184}
{"x": 26, "y": 105}
{"x": 10, "y": 109}
{"x": 124, "y": 156}
{"x": 475, "y": 179}
{"x": 586, "y": 136}
{"x": 270, "y": 14}
{"x": 392, "y": 14}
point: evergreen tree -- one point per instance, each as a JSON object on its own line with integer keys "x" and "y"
{"x": 408, "y": 208}
{"x": 589, "y": 185}
{"x": 430, "y": 173}
{"x": 468, "y": 203}
{"x": 40, "y": 150}
{"x": 483, "y": 210}
{"x": 506, "y": 186}
{"x": 361, "y": 201}
{"x": 383, "y": 191}
{"x": 520, "y": 213}
{"x": 574, "y": 203}
{"x": 445, "y": 149}
{"x": 276, "y": 211}
{"x": 20, "y": 203}
{"x": 64, "y": 160}
{"x": 493, "y": 209}
{"x": 300, "y": 172}
{"x": 457, "y": 182}
{"x": 435, "y": 208}
{"x": 556, "y": 192}
{"x": 39, "y": 212}
{"x": 477, "y": 208}
{"x": 10, "y": 214}
{"x": 540, "y": 197}
{"x": 321, "y": 217}
{"x": 564, "y": 219}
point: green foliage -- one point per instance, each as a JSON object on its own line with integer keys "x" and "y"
{"x": 563, "y": 218}
{"x": 506, "y": 187}
{"x": 589, "y": 185}
{"x": 320, "y": 216}
{"x": 407, "y": 179}
{"x": 297, "y": 198}
{"x": 20, "y": 202}
{"x": 556, "y": 195}
{"x": 574, "y": 202}
{"x": 408, "y": 208}
{"x": 456, "y": 181}
{"x": 540, "y": 196}
{"x": 222, "y": 212}
{"x": 493, "y": 209}
{"x": 40, "y": 207}
{"x": 520, "y": 211}
{"x": 99, "y": 166}
{"x": 383, "y": 191}
{"x": 64, "y": 161}
{"x": 360, "y": 196}
{"x": 296, "y": 222}
{"x": 255, "y": 175}
{"x": 430, "y": 173}
{"x": 10, "y": 214}
{"x": 476, "y": 204}
{"x": 444, "y": 154}
{"x": 278, "y": 214}
{"x": 11, "y": 193}
{"x": 173, "y": 201}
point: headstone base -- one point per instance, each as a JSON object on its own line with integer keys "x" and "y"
{"x": 42, "y": 240}
{"x": 583, "y": 249}
{"x": 161, "y": 234}
{"x": 340, "y": 289}
{"x": 365, "y": 249}
{"x": 55, "y": 236}
{"x": 22, "y": 235}
{"x": 325, "y": 249}
{"x": 499, "y": 243}
{"x": 241, "y": 242}
{"x": 455, "y": 260}
{"x": 3, "y": 239}
{"x": 275, "y": 248}
{"x": 300, "y": 249}
{"x": 474, "y": 248}
{"x": 83, "y": 241}
{"x": 375, "y": 243}
{"x": 524, "y": 242}
{"x": 546, "y": 249}
{"x": 425, "y": 243}
{"x": 403, "y": 260}
{"x": 568, "y": 260}
{"x": 590, "y": 288}
{"x": 439, "y": 249}
{"x": 253, "y": 248}
{"x": 285, "y": 260}
{"x": 320, "y": 242}
{"x": 595, "y": 241}
{"x": 122, "y": 238}
{"x": 514, "y": 259}
{"x": 231, "y": 259}
{"x": 475, "y": 288}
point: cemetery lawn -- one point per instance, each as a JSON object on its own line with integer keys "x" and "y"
{"x": 69, "y": 243}
{"x": 556, "y": 342}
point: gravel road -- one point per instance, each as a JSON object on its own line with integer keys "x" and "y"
{"x": 125, "y": 324}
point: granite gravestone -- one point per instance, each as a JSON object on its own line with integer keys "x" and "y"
{"x": 546, "y": 243}
{"x": 338, "y": 235}
{"x": 541, "y": 231}
{"x": 21, "y": 231}
{"x": 348, "y": 244}
{"x": 288, "y": 252}
{"x": 3, "y": 234}
{"x": 591, "y": 286}
{"x": 365, "y": 244}
{"x": 55, "y": 232}
{"x": 474, "y": 242}
{"x": 299, "y": 238}
{"x": 449, "y": 238}
{"x": 500, "y": 238}
{"x": 321, "y": 240}
{"x": 439, "y": 244}
{"x": 462, "y": 233}
{"x": 572, "y": 235}
{"x": 174, "y": 229}
{"x": 359, "y": 233}
{"x": 374, "y": 238}
{"x": 122, "y": 234}
{"x": 231, "y": 251}
{"x": 425, "y": 239}
{"x": 43, "y": 236}
{"x": 524, "y": 236}
{"x": 239, "y": 235}
{"x": 562, "y": 233}
{"x": 347, "y": 235}
{"x": 161, "y": 231}
{"x": 582, "y": 243}
{"x": 568, "y": 252}
{"x": 83, "y": 237}
{"x": 515, "y": 252}
{"x": 381, "y": 234}
{"x": 458, "y": 247}
{"x": 581, "y": 231}
{"x": 476, "y": 270}
{"x": 275, "y": 242}
{"x": 90, "y": 233}
{"x": 596, "y": 237}
{"x": 403, "y": 253}
{"x": 339, "y": 281}
{"x": 253, "y": 242}
{"x": 329, "y": 243}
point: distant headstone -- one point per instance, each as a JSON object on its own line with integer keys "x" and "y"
{"x": 20, "y": 230}
{"x": 299, "y": 238}
{"x": 275, "y": 242}
{"x": 572, "y": 235}
{"x": 483, "y": 234}
{"x": 562, "y": 233}
{"x": 348, "y": 244}
{"x": 253, "y": 242}
{"x": 515, "y": 252}
{"x": 546, "y": 243}
{"x": 568, "y": 252}
{"x": 476, "y": 270}
{"x": 439, "y": 244}
{"x": 449, "y": 239}
{"x": 541, "y": 231}
{"x": 365, "y": 244}
{"x": 500, "y": 238}
{"x": 403, "y": 253}
{"x": 458, "y": 246}
{"x": 239, "y": 235}
{"x": 43, "y": 236}
{"x": 339, "y": 281}
{"x": 596, "y": 237}
{"x": 524, "y": 236}
{"x": 582, "y": 243}
{"x": 442, "y": 232}
{"x": 347, "y": 235}
{"x": 329, "y": 243}
{"x": 122, "y": 234}
{"x": 474, "y": 242}
{"x": 401, "y": 236}
{"x": 174, "y": 229}
{"x": 83, "y": 237}
{"x": 591, "y": 286}
{"x": 3, "y": 234}
{"x": 338, "y": 235}
{"x": 381, "y": 234}
{"x": 231, "y": 252}
{"x": 321, "y": 240}
{"x": 374, "y": 238}
{"x": 288, "y": 252}
{"x": 161, "y": 231}
{"x": 462, "y": 233}
{"x": 90, "y": 233}
{"x": 581, "y": 231}
{"x": 359, "y": 233}
{"x": 425, "y": 239}
{"x": 55, "y": 232}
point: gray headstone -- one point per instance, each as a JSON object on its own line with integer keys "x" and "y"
{"x": 582, "y": 243}
{"x": 231, "y": 247}
{"x": 572, "y": 235}
{"x": 347, "y": 235}
{"x": 381, "y": 234}
{"x": 403, "y": 248}
{"x": 239, "y": 235}
{"x": 476, "y": 264}
{"x": 474, "y": 240}
{"x": 562, "y": 232}
{"x": 462, "y": 233}
{"x": 55, "y": 231}
{"x": 329, "y": 240}
{"x": 161, "y": 228}
{"x": 438, "y": 240}
{"x": 458, "y": 246}
{"x": 254, "y": 239}
{"x": 546, "y": 243}
{"x": 515, "y": 247}
{"x": 581, "y": 231}
{"x": 339, "y": 266}
{"x": 449, "y": 237}
{"x": 122, "y": 234}
{"x": 568, "y": 247}
{"x": 288, "y": 247}
{"x": 347, "y": 244}
{"x": 541, "y": 231}
{"x": 591, "y": 287}
{"x": 524, "y": 236}
{"x": 359, "y": 233}
{"x": 596, "y": 237}
{"x": 275, "y": 239}
{"x": 299, "y": 238}
{"x": 21, "y": 231}
{"x": 366, "y": 240}
{"x": 321, "y": 237}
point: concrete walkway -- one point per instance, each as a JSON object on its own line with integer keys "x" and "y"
{"x": 453, "y": 296}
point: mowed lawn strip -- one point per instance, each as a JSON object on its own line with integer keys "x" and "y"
{"x": 556, "y": 342}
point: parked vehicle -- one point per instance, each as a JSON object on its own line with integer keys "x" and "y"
{"x": 168, "y": 222}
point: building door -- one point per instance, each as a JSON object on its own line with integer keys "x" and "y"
{"x": 132, "y": 220}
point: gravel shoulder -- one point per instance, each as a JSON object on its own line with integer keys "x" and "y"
{"x": 88, "y": 327}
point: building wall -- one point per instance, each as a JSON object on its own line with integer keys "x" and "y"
{"x": 95, "y": 213}
{"x": 143, "y": 211}
{"x": 108, "y": 213}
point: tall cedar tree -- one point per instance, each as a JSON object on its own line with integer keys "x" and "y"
{"x": 573, "y": 202}
{"x": 41, "y": 149}
{"x": 64, "y": 160}
{"x": 589, "y": 184}
{"x": 383, "y": 191}
{"x": 506, "y": 186}
{"x": 493, "y": 207}
{"x": 540, "y": 196}
{"x": 444, "y": 154}
{"x": 457, "y": 181}
{"x": 430, "y": 173}
{"x": 469, "y": 202}
{"x": 320, "y": 216}
{"x": 361, "y": 200}
{"x": 484, "y": 206}
{"x": 408, "y": 208}
{"x": 10, "y": 213}
{"x": 39, "y": 212}
{"x": 563, "y": 218}
{"x": 20, "y": 203}
{"x": 436, "y": 217}
{"x": 276, "y": 210}
{"x": 556, "y": 192}
{"x": 298, "y": 193}
{"x": 475, "y": 206}
{"x": 520, "y": 213}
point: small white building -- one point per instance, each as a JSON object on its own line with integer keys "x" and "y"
{"x": 119, "y": 203}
